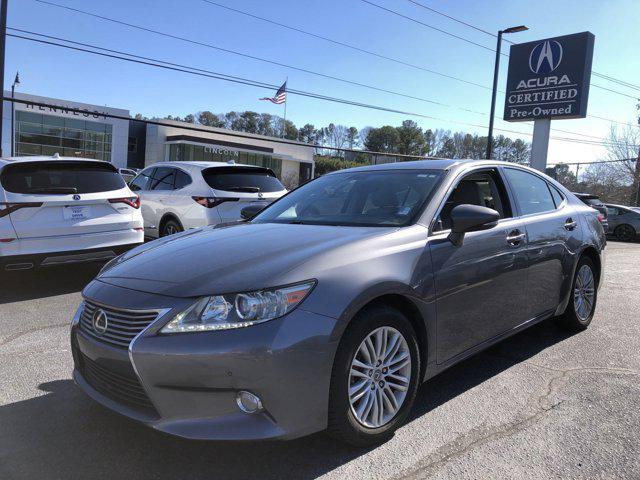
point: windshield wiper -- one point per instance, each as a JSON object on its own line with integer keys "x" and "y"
{"x": 60, "y": 190}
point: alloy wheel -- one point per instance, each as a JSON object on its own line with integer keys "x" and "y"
{"x": 379, "y": 377}
{"x": 584, "y": 293}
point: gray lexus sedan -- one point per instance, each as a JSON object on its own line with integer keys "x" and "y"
{"x": 329, "y": 308}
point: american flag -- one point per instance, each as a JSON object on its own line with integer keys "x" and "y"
{"x": 281, "y": 95}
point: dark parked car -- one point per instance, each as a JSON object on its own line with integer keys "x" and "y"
{"x": 624, "y": 222}
{"x": 594, "y": 202}
{"x": 330, "y": 307}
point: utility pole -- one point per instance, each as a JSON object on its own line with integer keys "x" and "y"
{"x": 3, "y": 39}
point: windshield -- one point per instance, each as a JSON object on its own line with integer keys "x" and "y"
{"x": 242, "y": 179}
{"x": 61, "y": 177}
{"x": 369, "y": 198}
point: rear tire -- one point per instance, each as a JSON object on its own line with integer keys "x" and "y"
{"x": 584, "y": 296}
{"x": 625, "y": 233}
{"x": 170, "y": 227}
{"x": 382, "y": 394}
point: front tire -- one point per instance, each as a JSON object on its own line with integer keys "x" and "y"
{"x": 584, "y": 295}
{"x": 375, "y": 377}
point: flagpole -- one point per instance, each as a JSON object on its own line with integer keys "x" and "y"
{"x": 284, "y": 125}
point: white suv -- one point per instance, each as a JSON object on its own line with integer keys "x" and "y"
{"x": 182, "y": 195}
{"x": 56, "y": 210}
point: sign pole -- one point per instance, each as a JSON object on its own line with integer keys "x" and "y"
{"x": 540, "y": 144}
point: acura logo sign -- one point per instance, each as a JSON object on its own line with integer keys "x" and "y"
{"x": 545, "y": 57}
{"x": 100, "y": 322}
{"x": 76, "y": 197}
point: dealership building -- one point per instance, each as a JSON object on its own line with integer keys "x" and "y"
{"x": 75, "y": 129}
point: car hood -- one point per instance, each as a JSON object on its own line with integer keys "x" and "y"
{"x": 232, "y": 259}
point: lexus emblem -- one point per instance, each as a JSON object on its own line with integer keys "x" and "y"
{"x": 545, "y": 57}
{"x": 100, "y": 322}
{"x": 260, "y": 195}
{"x": 76, "y": 197}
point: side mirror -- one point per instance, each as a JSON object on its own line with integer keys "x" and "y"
{"x": 251, "y": 211}
{"x": 470, "y": 218}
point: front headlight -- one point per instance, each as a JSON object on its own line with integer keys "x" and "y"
{"x": 224, "y": 312}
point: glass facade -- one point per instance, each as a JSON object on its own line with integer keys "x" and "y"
{"x": 40, "y": 134}
{"x": 198, "y": 153}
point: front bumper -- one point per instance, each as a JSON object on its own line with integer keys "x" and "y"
{"x": 191, "y": 380}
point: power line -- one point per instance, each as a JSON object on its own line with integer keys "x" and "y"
{"x": 346, "y": 45}
{"x": 254, "y": 57}
{"x": 149, "y": 30}
{"x": 394, "y": 12}
{"x": 250, "y": 82}
{"x": 462, "y": 22}
{"x": 411, "y": 19}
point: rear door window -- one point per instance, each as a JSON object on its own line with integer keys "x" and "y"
{"x": 53, "y": 177}
{"x": 531, "y": 192}
{"x": 182, "y": 179}
{"x": 163, "y": 178}
{"x": 242, "y": 179}
{"x": 558, "y": 198}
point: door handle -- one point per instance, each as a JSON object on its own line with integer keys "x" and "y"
{"x": 569, "y": 224}
{"x": 515, "y": 238}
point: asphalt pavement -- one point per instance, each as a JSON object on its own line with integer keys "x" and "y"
{"x": 543, "y": 404}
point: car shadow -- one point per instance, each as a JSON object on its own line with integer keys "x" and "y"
{"x": 46, "y": 282}
{"x": 61, "y": 433}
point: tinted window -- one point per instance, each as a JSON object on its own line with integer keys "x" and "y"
{"x": 61, "y": 177}
{"x": 531, "y": 192}
{"x": 242, "y": 179}
{"x": 141, "y": 182}
{"x": 612, "y": 211}
{"x": 163, "y": 179}
{"x": 373, "y": 198}
{"x": 182, "y": 179}
{"x": 558, "y": 198}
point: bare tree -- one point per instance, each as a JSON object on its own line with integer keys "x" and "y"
{"x": 624, "y": 145}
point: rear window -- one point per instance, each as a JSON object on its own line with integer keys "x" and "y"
{"x": 60, "y": 177}
{"x": 593, "y": 201}
{"x": 241, "y": 179}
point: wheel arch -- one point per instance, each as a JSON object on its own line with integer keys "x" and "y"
{"x": 165, "y": 218}
{"x": 409, "y": 308}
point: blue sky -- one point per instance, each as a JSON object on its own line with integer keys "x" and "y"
{"x": 55, "y": 72}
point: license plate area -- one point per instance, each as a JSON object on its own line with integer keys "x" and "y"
{"x": 76, "y": 212}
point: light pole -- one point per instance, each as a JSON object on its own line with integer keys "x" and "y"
{"x": 13, "y": 111}
{"x": 519, "y": 28}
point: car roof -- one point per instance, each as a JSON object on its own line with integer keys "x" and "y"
{"x": 42, "y": 158}
{"x": 615, "y": 205}
{"x": 200, "y": 165}
{"x": 428, "y": 164}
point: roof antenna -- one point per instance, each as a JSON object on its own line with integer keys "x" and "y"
{"x": 56, "y": 155}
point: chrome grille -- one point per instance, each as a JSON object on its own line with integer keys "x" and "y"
{"x": 122, "y": 325}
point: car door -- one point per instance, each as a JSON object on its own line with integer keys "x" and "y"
{"x": 141, "y": 185}
{"x": 554, "y": 237}
{"x": 480, "y": 285}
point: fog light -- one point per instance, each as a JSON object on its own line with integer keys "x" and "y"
{"x": 248, "y": 402}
